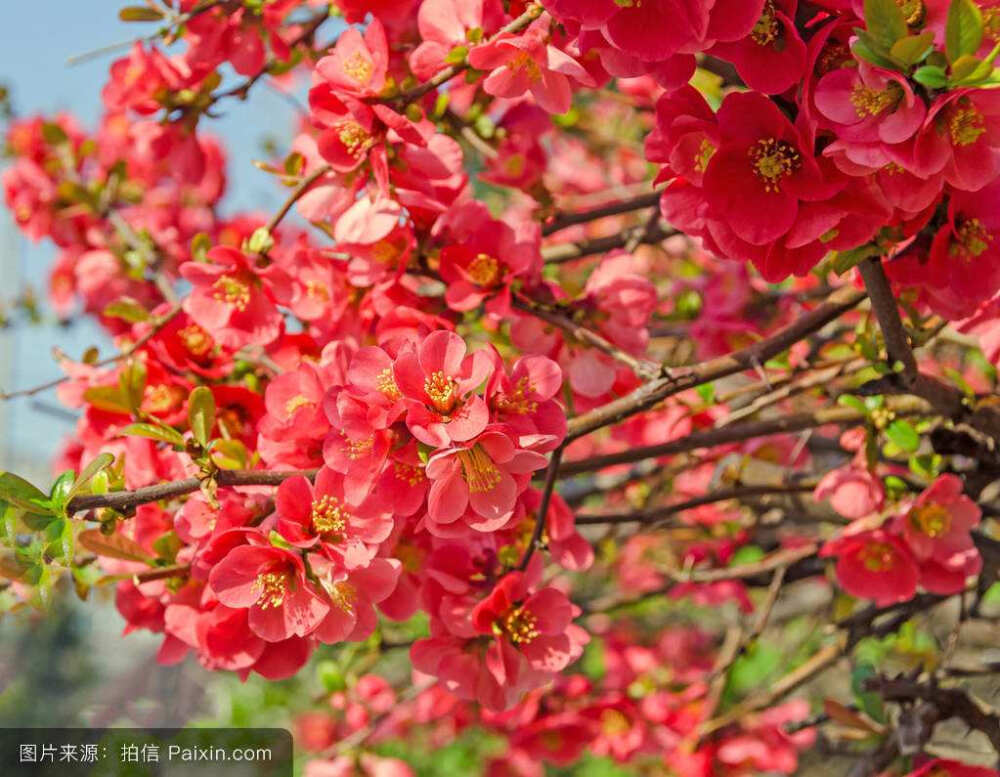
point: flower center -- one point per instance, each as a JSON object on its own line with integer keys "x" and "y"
{"x": 359, "y": 67}
{"x": 442, "y": 392}
{"x": 991, "y": 22}
{"x": 484, "y": 270}
{"x": 318, "y": 290}
{"x": 385, "y": 252}
{"x": 878, "y": 557}
{"x": 385, "y": 382}
{"x": 773, "y": 160}
{"x": 232, "y": 291}
{"x": 614, "y": 723}
{"x": 479, "y": 471}
{"x": 293, "y": 404}
{"x": 933, "y": 520}
{"x": 162, "y": 398}
{"x": 343, "y": 595}
{"x": 972, "y": 239}
{"x": 523, "y": 63}
{"x": 353, "y": 136}
{"x": 358, "y": 449}
{"x": 520, "y": 626}
{"x": 874, "y": 102}
{"x": 408, "y": 473}
{"x": 965, "y": 123}
{"x": 271, "y": 588}
{"x": 516, "y": 400}
{"x": 913, "y": 11}
{"x": 705, "y": 153}
{"x": 196, "y": 340}
{"x": 767, "y": 29}
{"x": 329, "y": 517}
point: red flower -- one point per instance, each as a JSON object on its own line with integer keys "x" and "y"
{"x": 762, "y": 171}
{"x": 772, "y": 58}
{"x": 321, "y": 517}
{"x": 231, "y": 300}
{"x": 357, "y": 66}
{"x": 961, "y": 139}
{"x": 271, "y": 582}
{"x": 437, "y": 380}
{"x": 874, "y": 565}
{"x": 937, "y": 530}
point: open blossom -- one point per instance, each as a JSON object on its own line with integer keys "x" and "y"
{"x": 447, "y": 24}
{"x": 438, "y": 381}
{"x": 231, "y": 300}
{"x": 960, "y": 139}
{"x": 853, "y": 492}
{"x": 529, "y": 62}
{"x": 482, "y": 476}
{"x": 319, "y": 516}
{"x": 936, "y": 528}
{"x": 357, "y": 66}
{"x": 874, "y": 564}
{"x": 271, "y": 582}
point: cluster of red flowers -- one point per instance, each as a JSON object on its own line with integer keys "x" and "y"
{"x": 925, "y": 542}
{"x": 388, "y": 380}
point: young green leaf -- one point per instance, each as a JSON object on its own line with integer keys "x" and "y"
{"x": 153, "y": 432}
{"x": 127, "y": 309}
{"x": 902, "y": 433}
{"x": 140, "y": 13}
{"x": 931, "y": 76}
{"x": 201, "y": 414}
{"x": 20, "y": 493}
{"x": 963, "y": 30}
{"x": 113, "y": 546}
{"x": 912, "y": 49}
{"x": 885, "y": 22}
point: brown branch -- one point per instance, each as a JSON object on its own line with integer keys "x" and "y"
{"x": 906, "y": 377}
{"x": 567, "y": 252}
{"x": 660, "y": 514}
{"x": 543, "y": 507}
{"x": 680, "y": 380}
{"x": 843, "y": 416}
{"x": 124, "y": 501}
{"x": 296, "y": 195}
{"x": 563, "y": 220}
{"x": 124, "y": 354}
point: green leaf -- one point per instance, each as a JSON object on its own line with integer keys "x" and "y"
{"x": 931, "y": 76}
{"x": 982, "y": 71}
{"x": 140, "y": 13}
{"x": 863, "y": 49}
{"x": 869, "y": 701}
{"x": 200, "y": 244}
{"x": 913, "y": 48}
{"x": 108, "y": 398}
{"x": 53, "y": 134}
{"x": 295, "y": 163}
{"x": 847, "y": 260}
{"x": 201, "y": 414}
{"x": 132, "y": 381}
{"x": 127, "y": 309}
{"x": 457, "y": 55}
{"x": 964, "y": 30}
{"x": 153, "y": 432}
{"x": 902, "y": 433}
{"x": 853, "y": 402}
{"x": 230, "y": 454}
{"x": 88, "y": 473}
{"x": 885, "y": 21}
{"x": 113, "y": 546}
{"x": 19, "y": 492}
{"x": 59, "y": 494}
{"x": 748, "y": 554}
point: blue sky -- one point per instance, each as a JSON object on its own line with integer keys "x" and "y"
{"x": 36, "y": 40}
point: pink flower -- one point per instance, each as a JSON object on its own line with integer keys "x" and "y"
{"x": 529, "y": 62}
{"x": 874, "y": 564}
{"x": 321, "y": 517}
{"x": 526, "y": 400}
{"x": 445, "y": 25}
{"x": 271, "y": 582}
{"x": 853, "y": 492}
{"x": 535, "y": 625}
{"x": 937, "y": 530}
{"x": 437, "y": 380}
{"x": 352, "y": 594}
{"x": 484, "y": 475}
{"x": 231, "y": 299}
{"x": 357, "y": 66}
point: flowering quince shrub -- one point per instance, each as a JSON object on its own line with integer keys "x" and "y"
{"x": 615, "y": 378}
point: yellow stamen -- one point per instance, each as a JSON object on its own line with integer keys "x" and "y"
{"x": 442, "y": 392}
{"x": 768, "y": 28}
{"x": 359, "y": 67}
{"x": 479, "y": 471}
{"x": 329, "y": 518}
{"x": 271, "y": 588}
{"x": 232, "y": 291}
{"x": 933, "y": 520}
{"x": 520, "y": 626}
{"x": 516, "y": 400}
{"x": 484, "y": 270}
{"x": 773, "y": 160}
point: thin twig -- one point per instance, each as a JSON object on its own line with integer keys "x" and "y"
{"x": 543, "y": 508}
